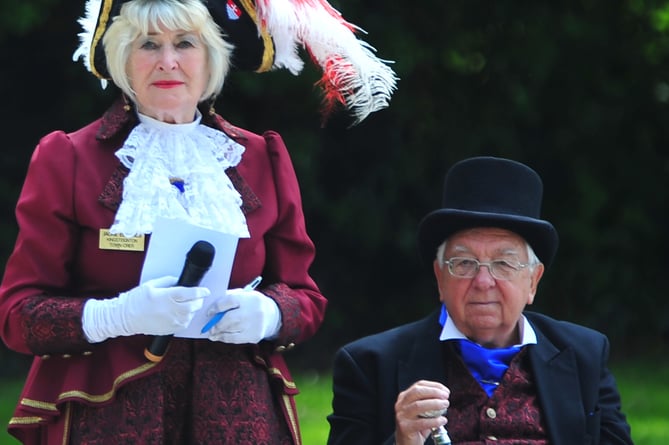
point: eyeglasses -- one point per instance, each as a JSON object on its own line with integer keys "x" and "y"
{"x": 462, "y": 267}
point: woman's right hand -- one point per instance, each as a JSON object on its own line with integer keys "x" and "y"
{"x": 156, "y": 307}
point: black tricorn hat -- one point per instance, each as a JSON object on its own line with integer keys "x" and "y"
{"x": 253, "y": 51}
{"x": 267, "y": 35}
{"x": 489, "y": 192}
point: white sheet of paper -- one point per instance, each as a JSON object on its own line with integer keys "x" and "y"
{"x": 170, "y": 242}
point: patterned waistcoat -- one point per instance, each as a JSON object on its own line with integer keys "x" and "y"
{"x": 511, "y": 416}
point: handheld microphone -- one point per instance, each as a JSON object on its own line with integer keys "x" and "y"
{"x": 198, "y": 262}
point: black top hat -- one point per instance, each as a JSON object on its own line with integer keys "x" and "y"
{"x": 490, "y": 192}
{"x": 267, "y": 35}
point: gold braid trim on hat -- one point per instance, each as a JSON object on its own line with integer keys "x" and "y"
{"x": 268, "y": 53}
{"x": 99, "y": 32}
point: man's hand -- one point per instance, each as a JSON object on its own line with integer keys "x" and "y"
{"x": 411, "y": 425}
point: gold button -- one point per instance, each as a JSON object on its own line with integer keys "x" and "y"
{"x": 290, "y": 346}
{"x": 490, "y": 412}
{"x": 87, "y": 352}
{"x": 66, "y": 356}
{"x": 280, "y": 348}
{"x": 493, "y": 438}
{"x": 46, "y": 357}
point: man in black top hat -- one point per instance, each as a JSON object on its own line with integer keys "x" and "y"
{"x": 495, "y": 373}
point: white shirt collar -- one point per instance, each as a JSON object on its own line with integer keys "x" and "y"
{"x": 451, "y": 332}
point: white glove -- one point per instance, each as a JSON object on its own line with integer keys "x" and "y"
{"x": 157, "y": 307}
{"x": 251, "y": 317}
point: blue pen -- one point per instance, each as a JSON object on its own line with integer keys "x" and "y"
{"x": 216, "y": 318}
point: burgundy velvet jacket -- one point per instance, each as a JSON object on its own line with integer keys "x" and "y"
{"x": 72, "y": 190}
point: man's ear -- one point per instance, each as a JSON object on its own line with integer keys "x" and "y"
{"x": 537, "y": 273}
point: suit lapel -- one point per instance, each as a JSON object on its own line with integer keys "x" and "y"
{"x": 424, "y": 361}
{"x": 556, "y": 375}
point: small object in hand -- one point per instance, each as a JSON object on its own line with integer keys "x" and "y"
{"x": 432, "y": 414}
{"x": 439, "y": 435}
{"x": 216, "y": 318}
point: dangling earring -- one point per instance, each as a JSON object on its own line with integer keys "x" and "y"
{"x": 127, "y": 107}
{"x": 212, "y": 110}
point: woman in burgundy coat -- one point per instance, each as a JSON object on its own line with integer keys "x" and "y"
{"x": 73, "y": 299}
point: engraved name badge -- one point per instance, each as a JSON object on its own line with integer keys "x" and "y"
{"x": 114, "y": 241}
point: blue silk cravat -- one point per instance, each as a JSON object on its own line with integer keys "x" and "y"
{"x": 487, "y": 365}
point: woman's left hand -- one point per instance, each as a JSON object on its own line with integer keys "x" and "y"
{"x": 250, "y": 317}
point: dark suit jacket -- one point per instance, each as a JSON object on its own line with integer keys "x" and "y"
{"x": 578, "y": 394}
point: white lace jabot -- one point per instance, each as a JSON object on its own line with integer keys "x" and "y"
{"x": 178, "y": 171}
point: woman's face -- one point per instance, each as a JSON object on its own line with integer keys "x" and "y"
{"x": 168, "y": 72}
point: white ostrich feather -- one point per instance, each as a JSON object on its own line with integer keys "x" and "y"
{"x": 363, "y": 82}
{"x": 88, "y": 23}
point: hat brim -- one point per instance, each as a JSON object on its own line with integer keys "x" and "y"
{"x": 438, "y": 225}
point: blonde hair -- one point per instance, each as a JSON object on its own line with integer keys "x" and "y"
{"x": 138, "y": 17}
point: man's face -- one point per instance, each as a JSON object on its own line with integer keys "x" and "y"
{"x": 484, "y": 308}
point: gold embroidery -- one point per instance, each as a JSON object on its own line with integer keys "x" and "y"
{"x": 37, "y": 404}
{"x": 81, "y": 395}
{"x": 66, "y": 429}
{"x": 108, "y": 395}
{"x": 292, "y": 415}
{"x": 260, "y": 360}
{"x": 276, "y": 372}
{"x": 288, "y": 383}
{"x": 25, "y": 420}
